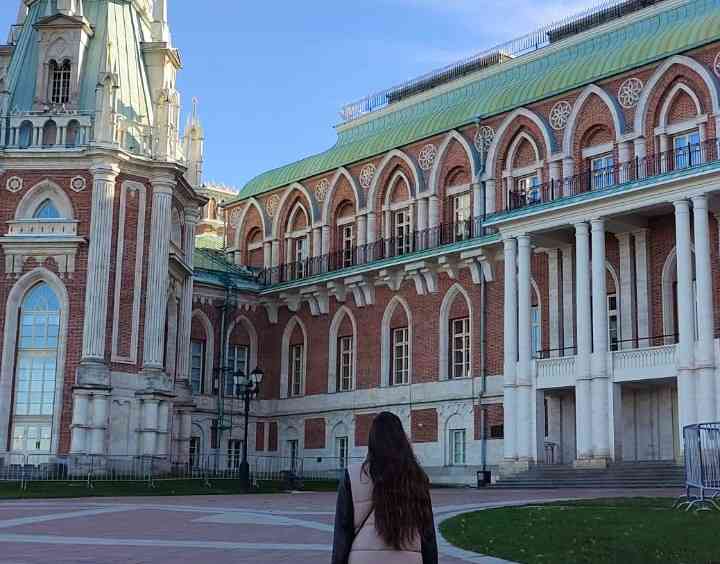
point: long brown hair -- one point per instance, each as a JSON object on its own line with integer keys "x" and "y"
{"x": 401, "y": 489}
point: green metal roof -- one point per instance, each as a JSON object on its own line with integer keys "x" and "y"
{"x": 638, "y": 43}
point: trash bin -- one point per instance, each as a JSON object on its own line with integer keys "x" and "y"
{"x": 484, "y": 478}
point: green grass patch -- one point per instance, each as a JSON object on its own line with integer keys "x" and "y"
{"x": 45, "y": 490}
{"x": 622, "y": 531}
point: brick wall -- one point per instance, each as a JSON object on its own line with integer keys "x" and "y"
{"x": 272, "y": 436}
{"x": 260, "y": 436}
{"x": 424, "y": 424}
{"x": 363, "y": 422}
{"x": 314, "y": 433}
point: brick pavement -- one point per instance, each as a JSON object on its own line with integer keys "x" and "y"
{"x": 262, "y": 529}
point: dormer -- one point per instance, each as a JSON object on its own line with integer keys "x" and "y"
{"x": 62, "y": 45}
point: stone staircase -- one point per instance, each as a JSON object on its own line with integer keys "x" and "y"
{"x": 661, "y": 474}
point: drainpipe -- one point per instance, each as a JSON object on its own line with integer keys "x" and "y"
{"x": 483, "y": 372}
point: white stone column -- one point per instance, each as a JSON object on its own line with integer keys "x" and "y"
{"x": 664, "y": 141}
{"x": 158, "y": 272}
{"x": 624, "y": 156}
{"x": 182, "y": 372}
{"x": 163, "y": 427}
{"x": 433, "y": 212}
{"x": 568, "y": 301}
{"x": 600, "y": 390}
{"x": 267, "y": 254}
{"x": 556, "y": 179}
{"x": 478, "y": 202}
{"x": 686, "y": 316}
{"x": 276, "y": 259}
{"x": 510, "y": 348}
{"x": 568, "y": 172}
{"x": 422, "y": 222}
{"x": 100, "y": 415}
{"x": 99, "y": 258}
{"x": 150, "y": 413}
{"x": 490, "y": 196}
{"x": 554, "y": 300}
{"x": 626, "y": 297}
{"x": 78, "y": 444}
{"x": 321, "y": 241}
{"x": 371, "y": 236}
{"x": 642, "y": 282}
{"x": 524, "y": 380}
{"x": 705, "y": 360}
{"x": 640, "y": 155}
{"x": 583, "y": 397}
{"x": 361, "y": 230}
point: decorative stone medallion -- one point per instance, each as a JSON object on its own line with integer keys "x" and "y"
{"x": 427, "y": 156}
{"x": 367, "y": 174}
{"x": 322, "y": 189}
{"x": 14, "y": 184}
{"x": 272, "y": 204}
{"x": 629, "y": 93}
{"x": 716, "y": 65}
{"x": 560, "y": 114}
{"x": 484, "y": 138}
{"x": 78, "y": 184}
{"x": 235, "y": 217}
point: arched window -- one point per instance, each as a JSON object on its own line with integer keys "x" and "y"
{"x": 73, "y": 129}
{"x": 254, "y": 250}
{"x": 26, "y": 135}
{"x": 294, "y": 356}
{"x": 345, "y": 234}
{"x": 456, "y": 334}
{"x": 47, "y": 210}
{"x": 396, "y": 344}
{"x": 342, "y": 355}
{"x": 60, "y": 82}
{"x": 36, "y": 371}
{"x": 49, "y": 134}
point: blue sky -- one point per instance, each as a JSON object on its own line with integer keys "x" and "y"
{"x": 271, "y": 76}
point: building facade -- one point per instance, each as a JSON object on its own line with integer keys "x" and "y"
{"x": 518, "y": 255}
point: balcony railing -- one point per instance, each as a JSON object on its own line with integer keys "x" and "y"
{"x": 614, "y": 177}
{"x": 42, "y": 228}
{"x": 393, "y": 247}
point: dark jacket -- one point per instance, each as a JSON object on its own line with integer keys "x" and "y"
{"x": 345, "y": 528}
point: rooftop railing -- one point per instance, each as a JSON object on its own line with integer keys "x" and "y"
{"x": 601, "y": 13}
{"x": 613, "y": 177}
{"x": 388, "y": 248}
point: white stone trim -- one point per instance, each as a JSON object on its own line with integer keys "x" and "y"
{"x": 285, "y": 356}
{"x": 670, "y": 98}
{"x": 252, "y": 202}
{"x": 209, "y": 348}
{"x": 7, "y": 368}
{"x": 701, "y": 70}
{"x": 340, "y": 315}
{"x": 386, "y": 345}
{"x": 444, "y": 328}
{"x": 475, "y": 167}
{"x": 669, "y": 275}
{"x": 252, "y": 334}
{"x": 615, "y": 111}
{"x": 312, "y": 212}
{"x": 590, "y": 152}
{"x": 44, "y": 190}
{"x": 415, "y": 187}
{"x": 342, "y": 172}
{"x": 127, "y": 187}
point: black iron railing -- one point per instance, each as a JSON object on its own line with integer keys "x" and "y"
{"x": 651, "y": 166}
{"x": 637, "y": 343}
{"x": 392, "y": 247}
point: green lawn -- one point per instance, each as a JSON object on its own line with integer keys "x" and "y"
{"x": 621, "y": 531}
{"x": 39, "y": 490}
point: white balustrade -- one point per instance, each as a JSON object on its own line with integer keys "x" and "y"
{"x": 42, "y": 228}
{"x": 645, "y": 363}
{"x": 556, "y": 368}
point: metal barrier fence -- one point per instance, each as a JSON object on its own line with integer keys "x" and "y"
{"x": 24, "y": 469}
{"x": 702, "y": 467}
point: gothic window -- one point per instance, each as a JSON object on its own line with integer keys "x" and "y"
{"x": 341, "y": 451}
{"x": 460, "y": 348}
{"x": 345, "y": 242}
{"x": 602, "y": 173}
{"x": 47, "y": 210}
{"x": 238, "y": 362}
{"x": 60, "y": 82}
{"x": 26, "y": 135}
{"x": 49, "y": 134}
{"x": 297, "y": 369}
{"x": 197, "y": 366}
{"x": 686, "y": 148}
{"x": 400, "y": 357}
{"x": 457, "y": 447}
{"x": 36, "y": 371}
{"x": 461, "y": 216}
{"x": 402, "y": 230}
{"x": 345, "y": 364}
{"x": 71, "y": 135}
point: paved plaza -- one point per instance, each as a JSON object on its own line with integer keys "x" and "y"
{"x": 268, "y": 529}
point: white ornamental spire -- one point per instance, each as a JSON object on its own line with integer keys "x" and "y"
{"x": 160, "y": 28}
{"x": 194, "y": 148}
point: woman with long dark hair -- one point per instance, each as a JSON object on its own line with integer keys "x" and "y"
{"x": 384, "y": 513}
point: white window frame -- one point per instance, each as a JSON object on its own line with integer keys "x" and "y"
{"x": 400, "y": 354}
{"x": 236, "y": 363}
{"x": 460, "y": 341}
{"x": 402, "y": 231}
{"x": 458, "y": 456}
{"x": 530, "y": 186}
{"x": 293, "y": 450}
{"x": 297, "y": 369}
{"x": 346, "y": 235}
{"x": 462, "y": 215}
{"x": 602, "y": 171}
{"x": 613, "y": 322}
{"x": 342, "y": 451}
{"x": 193, "y": 357}
{"x": 689, "y": 154}
{"x": 346, "y": 363}
{"x": 535, "y": 330}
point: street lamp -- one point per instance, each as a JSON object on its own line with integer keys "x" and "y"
{"x": 247, "y": 388}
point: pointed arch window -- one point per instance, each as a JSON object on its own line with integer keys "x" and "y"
{"x": 36, "y": 371}
{"x": 60, "y": 86}
{"x": 47, "y": 210}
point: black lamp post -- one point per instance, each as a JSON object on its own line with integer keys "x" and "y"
{"x": 247, "y": 388}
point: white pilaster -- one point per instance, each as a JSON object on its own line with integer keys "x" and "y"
{"x": 433, "y": 212}
{"x": 524, "y": 381}
{"x": 510, "y": 347}
{"x": 583, "y": 397}
{"x": 79, "y": 423}
{"x": 100, "y": 415}
{"x": 99, "y": 257}
{"x": 627, "y": 292}
{"x": 490, "y": 195}
{"x": 158, "y": 272}
{"x": 568, "y": 301}
{"x": 705, "y": 360}
{"x": 600, "y": 390}
{"x": 686, "y": 315}
{"x": 267, "y": 254}
{"x": 478, "y": 200}
{"x": 642, "y": 282}
{"x": 554, "y": 301}
{"x": 182, "y": 372}
{"x": 361, "y": 230}
{"x": 321, "y": 241}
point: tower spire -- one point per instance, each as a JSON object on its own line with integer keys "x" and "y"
{"x": 160, "y": 28}
{"x": 194, "y": 142}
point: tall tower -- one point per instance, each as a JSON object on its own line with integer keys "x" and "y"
{"x": 102, "y": 220}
